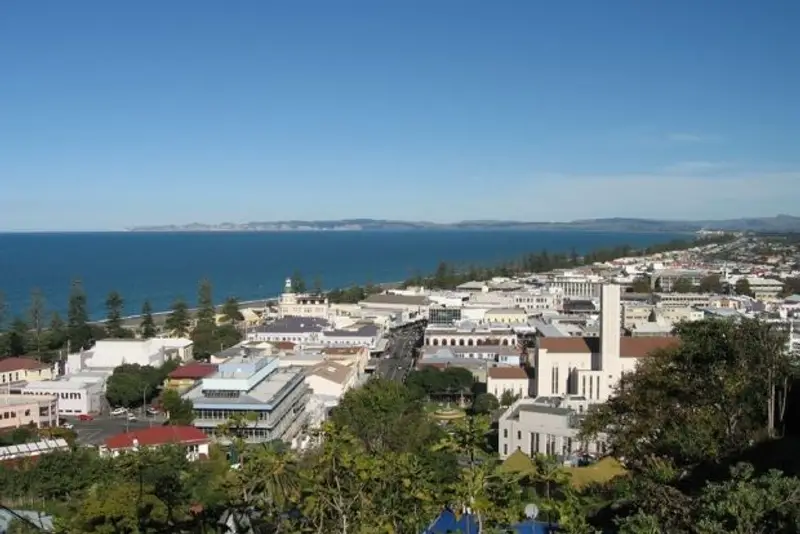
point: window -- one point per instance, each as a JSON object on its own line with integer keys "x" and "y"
{"x": 519, "y": 434}
{"x": 505, "y": 433}
{"x": 505, "y": 449}
{"x": 27, "y": 413}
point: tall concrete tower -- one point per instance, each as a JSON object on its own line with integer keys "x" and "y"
{"x": 610, "y": 325}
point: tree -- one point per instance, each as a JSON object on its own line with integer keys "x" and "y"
{"x": 17, "y": 337}
{"x": 114, "y": 307}
{"x": 147, "y": 327}
{"x": 711, "y": 284}
{"x": 203, "y": 334}
{"x": 318, "y": 285}
{"x": 298, "y": 283}
{"x": 723, "y": 375}
{"x": 78, "y": 332}
{"x": 127, "y": 385}
{"x": 3, "y": 311}
{"x": 56, "y": 333}
{"x": 508, "y": 397}
{"x": 36, "y": 313}
{"x": 226, "y": 336}
{"x": 485, "y": 403}
{"x": 742, "y": 287}
{"x": 179, "y": 410}
{"x": 230, "y": 311}
{"x": 682, "y": 285}
{"x": 641, "y": 285}
{"x": 178, "y": 320}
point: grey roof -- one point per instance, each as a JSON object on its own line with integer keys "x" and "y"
{"x": 544, "y": 408}
{"x": 362, "y": 330}
{"x": 402, "y": 300}
{"x": 42, "y": 520}
{"x": 291, "y": 324}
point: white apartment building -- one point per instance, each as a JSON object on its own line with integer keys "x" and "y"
{"x": 666, "y": 278}
{"x": 573, "y": 285}
{"x": 293, "y": 304}
{"x": 765, "y": 288}
{"x": 682, "y": 300}
{"x": 110, "y": 353}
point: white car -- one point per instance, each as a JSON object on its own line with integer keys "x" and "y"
{"x": 68, "y": 426}
{"x": 119, "y": 411}
{"x": 131, "y": 417}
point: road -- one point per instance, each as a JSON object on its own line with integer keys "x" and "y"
{"x": 401, "y": 355}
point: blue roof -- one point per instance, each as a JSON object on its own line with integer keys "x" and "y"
{"x": 448, "y": 522}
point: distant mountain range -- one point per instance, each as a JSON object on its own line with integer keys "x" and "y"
{"x": 780, "y": 223}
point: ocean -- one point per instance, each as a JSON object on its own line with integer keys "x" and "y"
{"x": 250, "y": 266}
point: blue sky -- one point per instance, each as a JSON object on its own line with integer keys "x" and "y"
{"x": 115, "y": 114}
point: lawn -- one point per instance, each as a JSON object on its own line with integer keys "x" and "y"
{"x": 601, "y": 471}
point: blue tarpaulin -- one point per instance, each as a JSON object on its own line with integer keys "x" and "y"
{"x": 450, "y": 523}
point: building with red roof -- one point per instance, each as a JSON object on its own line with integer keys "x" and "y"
{"x": 188, "y": 375}
{"x": 193, "y": 440}
{"x": 23, "y": 369}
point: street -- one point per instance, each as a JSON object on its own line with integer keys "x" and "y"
{"x": 401, "y": 355}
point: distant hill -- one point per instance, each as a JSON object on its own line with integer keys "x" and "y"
{"x": 780, "y": 223}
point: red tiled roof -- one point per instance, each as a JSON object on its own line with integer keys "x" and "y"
{"x": 629, "y": 347}
{"x": 19, "y": 364}
{"x": 158, "y": 435}
{"x": 507, "y": 373}
{"x": 284, "y": 345}
{"x": 193, "y": 371}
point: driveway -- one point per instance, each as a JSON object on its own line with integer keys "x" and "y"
{"x": 95, "y": 432}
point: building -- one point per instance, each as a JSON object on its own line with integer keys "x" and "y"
{"x": 110, "y": 353}
{"x": 23, "y": 410}
{"x": 26, "y": 451}
{"x": 188, "y": 375}
{"x": 469, "y": 334}
{"x": 682, "y": 300}
{"x": 506, "y": 316}
{"x": 75, "y": 397}
{"x": 305, "y": 330}
{"x": 23, "y": 370}
{"x": 765, "y": 288}
{"x": 331, "y": 379}
{"x": 502, "y": 354}
{"x": 193, "y": 440}
{"x": 443, "y": 316}
{"x": 592, "y": 366}
{"x": 544, "y": 426}
{"x": 410, "y": 307}
{"x": 293, "y": 304}
{"x": 515, "y": 380}
{"x": 665, "y": 279}
{"x": 244, "y": 386}
{"x": 575, "y": 286}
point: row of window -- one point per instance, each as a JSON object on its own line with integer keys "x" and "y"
{"x": 468, "y": 343}
{"x": 13, "y": 415}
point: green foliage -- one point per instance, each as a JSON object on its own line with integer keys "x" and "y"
{"x": 711, "y": 284}
{"x": 36, "y": 317}
{"x": 742, "y": 287}
{"x": 133, "y": 385}
{"x": 179, "y": 410}
{"x": 683, "y": 285}
{"x": 178, "y": 321}
{"x": 147, "y": 327}
{"x": 203, "y": 334}
{"x": 78, "y": 332}
{"x": 435, "y": 382}
{"x": 791, "y": 286}
{"x": 114, "y": 310}
{"x": 298, "y": 282}
{"x": 641, "y": 285}
{"x": 485, "y": 403}
{"x": 230, "y": 310}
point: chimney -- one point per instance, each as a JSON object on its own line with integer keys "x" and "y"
{"x": 610, "y": 326}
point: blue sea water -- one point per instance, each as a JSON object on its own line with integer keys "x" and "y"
{"x": 249, "y": 266}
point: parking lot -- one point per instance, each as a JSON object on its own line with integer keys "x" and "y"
{"x": 101, "y": 427}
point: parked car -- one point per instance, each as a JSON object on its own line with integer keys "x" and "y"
{"x": 119, "y": 411}
{"x": 131, "y": 417}
{"x": 152, "y": 411}
{"x": 68, "y": 426}
{"x": 85, "y": 417}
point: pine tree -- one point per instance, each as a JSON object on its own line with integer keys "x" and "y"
{"x": 114, "y": 307}
{"x": 78, "y": 331}
{"x": 36, "y": 313}
{"x": 203, "y": 334}
{"x": 178, "y": 320}
{"x": 147, "y": 326}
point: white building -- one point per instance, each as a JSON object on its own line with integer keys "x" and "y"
{"x": 469, "y": 333}
{"x": 75, "y": 397}
{"x": 512, "y": 379}
{"x": 293, "y": 304}
{"x": 592, "y": 366}
{"x": 331, "y": 379}
{"x": 111, "y": 353}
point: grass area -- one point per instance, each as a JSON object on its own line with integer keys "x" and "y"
{"x": 601, "y": 471}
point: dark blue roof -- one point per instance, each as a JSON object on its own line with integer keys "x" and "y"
{"x": 448, "y": 523}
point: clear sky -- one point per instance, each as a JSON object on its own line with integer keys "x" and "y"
{"x": 115, "y": 114}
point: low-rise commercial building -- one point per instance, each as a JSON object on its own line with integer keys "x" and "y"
{"x": 513, "y": 380}
{"x": 110, "y": 353}
{"x": 188, "y": 375}
{"x": 469, "y": 334}
{"x": 276, "y": 397}
{"x": 194, "y": 441}
{"x": 503, "y": 354}
{"x": 293, "y": 304}
{"x": 75, "y": 397}
{"x": 23, "y": 410}
{"x": 23, "y": 370}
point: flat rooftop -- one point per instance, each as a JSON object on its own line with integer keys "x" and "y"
{"x": 269, "y": 391}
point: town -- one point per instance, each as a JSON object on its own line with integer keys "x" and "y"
{"x": 535, "y": 351}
